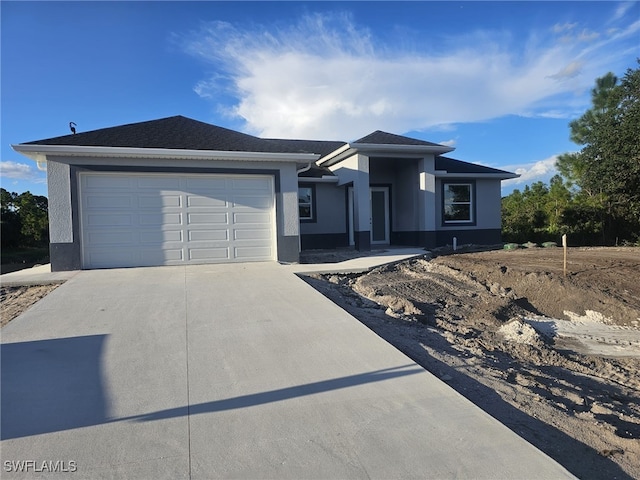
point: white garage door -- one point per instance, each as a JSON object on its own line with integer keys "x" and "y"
{"x": 130, "y": 219}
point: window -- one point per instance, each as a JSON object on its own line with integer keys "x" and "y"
{"x": 305, "y": 203}
{"x": 457, "y": 203}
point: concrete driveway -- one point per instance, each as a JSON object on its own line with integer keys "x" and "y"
{"x": 230, "y": 371}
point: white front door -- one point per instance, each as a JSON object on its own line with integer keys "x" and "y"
{"x": 379, "y": 215}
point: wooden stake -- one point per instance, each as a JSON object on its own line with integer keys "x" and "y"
{"x": 564, "y": 247}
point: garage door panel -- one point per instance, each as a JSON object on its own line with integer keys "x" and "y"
{"x": 202, "y": 201}
{"x": 251, "y": 234}
{"x": 249, "y": 217}
{"x": 220, "y": 253}
{"x": 206, "y": 184}
{"x": 102, "y": 202}
{"x": 110, "y": 220}
{"x": 248, "y": 253}
{"x": 159, "y": 201}
{"x": 107, "y": 183}
{"x": 164, "y": 219}
{"x": 157, "y": 182}
{"x": 161, "y": 257}
{"x": 208, "y": 235}
{"x": 160, "y": 219}
{"x": 160, "y": 237}
{"x": 208, "y": 218}
{"x": 256, "y": 202}
{"x": 110, "y": 238}
{"x": 255, "y": 185}
{"x": 107, "y": 257}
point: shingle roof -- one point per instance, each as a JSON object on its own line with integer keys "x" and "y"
{"x": 458, "y": 166}
{"x": 176, "y": 132}
{"x": 321, "y": 147}
{"x": 383, "y": 138}
{"x": 180, "y": 132}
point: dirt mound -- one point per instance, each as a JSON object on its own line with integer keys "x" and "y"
{"x": 509, "y": 331}
{"x": 604, "y": 280}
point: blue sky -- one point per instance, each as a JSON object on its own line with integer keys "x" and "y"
{"x": 499, "y": 81}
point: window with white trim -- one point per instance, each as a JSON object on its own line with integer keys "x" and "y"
{"x": 305, "y": 203}
{"x": 457, "y": 203}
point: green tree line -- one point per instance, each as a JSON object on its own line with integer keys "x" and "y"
{"x": 595, "y": 199}
{"x": 24, "y": 219}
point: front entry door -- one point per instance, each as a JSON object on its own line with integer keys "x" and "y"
{"x": 380, "y": 215}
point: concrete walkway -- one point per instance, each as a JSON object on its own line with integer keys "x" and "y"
{"x": 39, "y": 275}
{"x": 230, "y": 371}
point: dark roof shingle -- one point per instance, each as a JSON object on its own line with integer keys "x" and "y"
{"x": 383, "y": 138}
{"x": 458, "y": 166}
{"x": 321, "y": 147}
{"x": 176, "y": 132}
{"x": 180, "y": 132}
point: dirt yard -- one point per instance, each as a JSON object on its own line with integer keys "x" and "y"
{"x": 554, "y": 358}
{"x": 15, "y": 300}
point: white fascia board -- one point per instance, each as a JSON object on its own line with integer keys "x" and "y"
{"x": 39, "y": 153}
{"x": 382, "y": 149}
{"x": 392, "y": 148}
{"x": 500, "y": 176}
{"x": 336, "y": 155}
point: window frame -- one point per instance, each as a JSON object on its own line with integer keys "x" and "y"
{"x": 312, "y": 204}
{"x": 472, "y": 202}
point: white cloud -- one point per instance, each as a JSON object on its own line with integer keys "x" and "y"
{"x": 449, "y": 143}
{"x": 621, "y": 11}
{"x": 21, "y": 171}
{"x": 568, "y": 71}
{"x": 327, "y": 77}
{"x": 588, "y": 36}
{"x": 541, "y": 170}
{"x": 563, "y": 27}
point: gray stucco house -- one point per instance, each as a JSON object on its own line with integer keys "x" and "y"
{"x": 176, "y": 190}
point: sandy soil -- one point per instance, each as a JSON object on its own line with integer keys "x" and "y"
{"x": 554, "y": 358}
{"x": 15, "y": 300}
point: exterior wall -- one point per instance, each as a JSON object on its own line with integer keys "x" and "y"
{"x": 60, "y": 218}
{"x": 488, "y": 215}
{"x": 405, "y": 196}
{"x": 329, "y": 227}
{"x": 489, "y": 206}
{"x": 355, "y": 171}
{"x": 64, "y": 201}
{"x": 413, "y": 193}
{"x": 428, "y": 194}
{"x": 488, "y": 209}
{"x": 428, "y": 228}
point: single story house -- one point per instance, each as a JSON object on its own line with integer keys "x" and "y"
{"x": 176, "y": 190}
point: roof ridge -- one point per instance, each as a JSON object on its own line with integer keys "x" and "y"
{"x": 386, "y": 138}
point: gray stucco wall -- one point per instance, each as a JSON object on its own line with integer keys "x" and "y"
{"x": 60, "y": 215}
{"x": 330, "y": 209}
{"x": 485, "y": 230}
{"x": 405, "y": 198}
{"x": 64, "y": 197}
{"x": 329, "y": 227}
{"x": 487, "y": 205}
{"x": 412, "y": 190}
